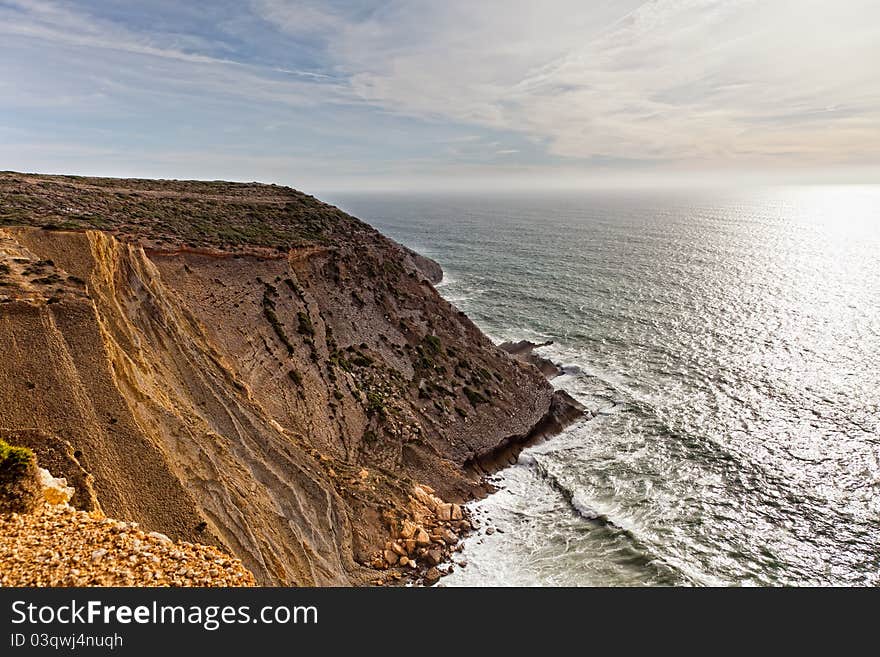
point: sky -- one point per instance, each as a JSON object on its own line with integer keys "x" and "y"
{"x": 384, "y": 95}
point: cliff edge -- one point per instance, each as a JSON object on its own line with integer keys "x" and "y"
{"x": 243, "y": 366}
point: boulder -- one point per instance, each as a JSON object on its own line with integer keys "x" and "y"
{"x": 424, "y": 497}
{"x": 159, "y": 536}
{"x": 427, "y": 267}
{"x": 408, "y": 530}
{"x": 60, "y": 458}
{"x": 422, "y": 537}
{"x": 523, "y": 351}
{"x": 433, "y": 557}
{"x": 55, "y": 490}
{"x": 432, "y": 576}
{"x": 449, "y": 537}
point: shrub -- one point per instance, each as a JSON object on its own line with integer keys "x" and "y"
{"x": 376, "y": 404}
{"x": 305, "y": 324}
{"x": 13, "y": 458}
{"x": 338, "y": 359}
{"x": 433, "y": 343}
{"x": 474, "y": 397}
{"x": 296, "y": 289}
{"x": 19, "y": 487}
{"x": 361, "y": 360}
{"x": 272, "y": 317}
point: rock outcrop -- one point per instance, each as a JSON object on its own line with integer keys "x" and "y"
{"x": 524, "y": 351}
{"x": 240, "y": 365}
{"x": 427, "y": 267}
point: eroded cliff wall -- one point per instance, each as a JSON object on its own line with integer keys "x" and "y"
{"x": 278, "y": 400}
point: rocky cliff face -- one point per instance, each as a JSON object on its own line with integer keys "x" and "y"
{"x": 243, "y": 366}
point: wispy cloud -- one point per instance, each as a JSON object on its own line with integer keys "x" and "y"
{"x": 670, "y": 79}
{"x": 449, "y": 86}
{"x": 49, "y": 21}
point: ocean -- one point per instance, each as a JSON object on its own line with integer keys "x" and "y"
{"x": 729, "y": 344}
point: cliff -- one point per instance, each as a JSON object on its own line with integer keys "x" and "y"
{"x": 243, "y": 366}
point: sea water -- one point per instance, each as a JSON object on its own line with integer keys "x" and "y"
{"x": 729, "y": 344}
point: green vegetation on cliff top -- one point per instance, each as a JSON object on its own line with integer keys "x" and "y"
{"x": 172, "y": 213}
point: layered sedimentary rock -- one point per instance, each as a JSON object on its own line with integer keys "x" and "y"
{"x": 243, "y": 366}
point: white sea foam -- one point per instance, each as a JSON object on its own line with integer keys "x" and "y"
{"x": 724, "y": 343}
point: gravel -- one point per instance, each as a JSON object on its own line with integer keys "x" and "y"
{"x": 60, "y": 546}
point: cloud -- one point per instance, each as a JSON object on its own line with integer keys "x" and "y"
{"x": 93, "y": 52}
{"x": 302, "y": 18}
{"x": 53, "y": 22}
{"x": 698, "y": 80}
{"x": 429, "y": 87}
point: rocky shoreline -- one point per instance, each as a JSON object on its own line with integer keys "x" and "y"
{"x": 421, "y": 552}
{"x": 44, "y": 541}
{"x": 524, "y": 351}
{"x": 241, "y": 365}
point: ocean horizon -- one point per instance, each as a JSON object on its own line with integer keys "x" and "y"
{"x": 728, "y": 343}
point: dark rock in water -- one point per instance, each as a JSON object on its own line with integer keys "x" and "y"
{"x": 427, "y": 267}
{"x": 524, "y": 351}
{"x": 523, "y": 347}
{"x": 564, "y": 410}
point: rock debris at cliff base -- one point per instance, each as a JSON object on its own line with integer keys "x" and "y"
{"x": 60, "y": 546}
